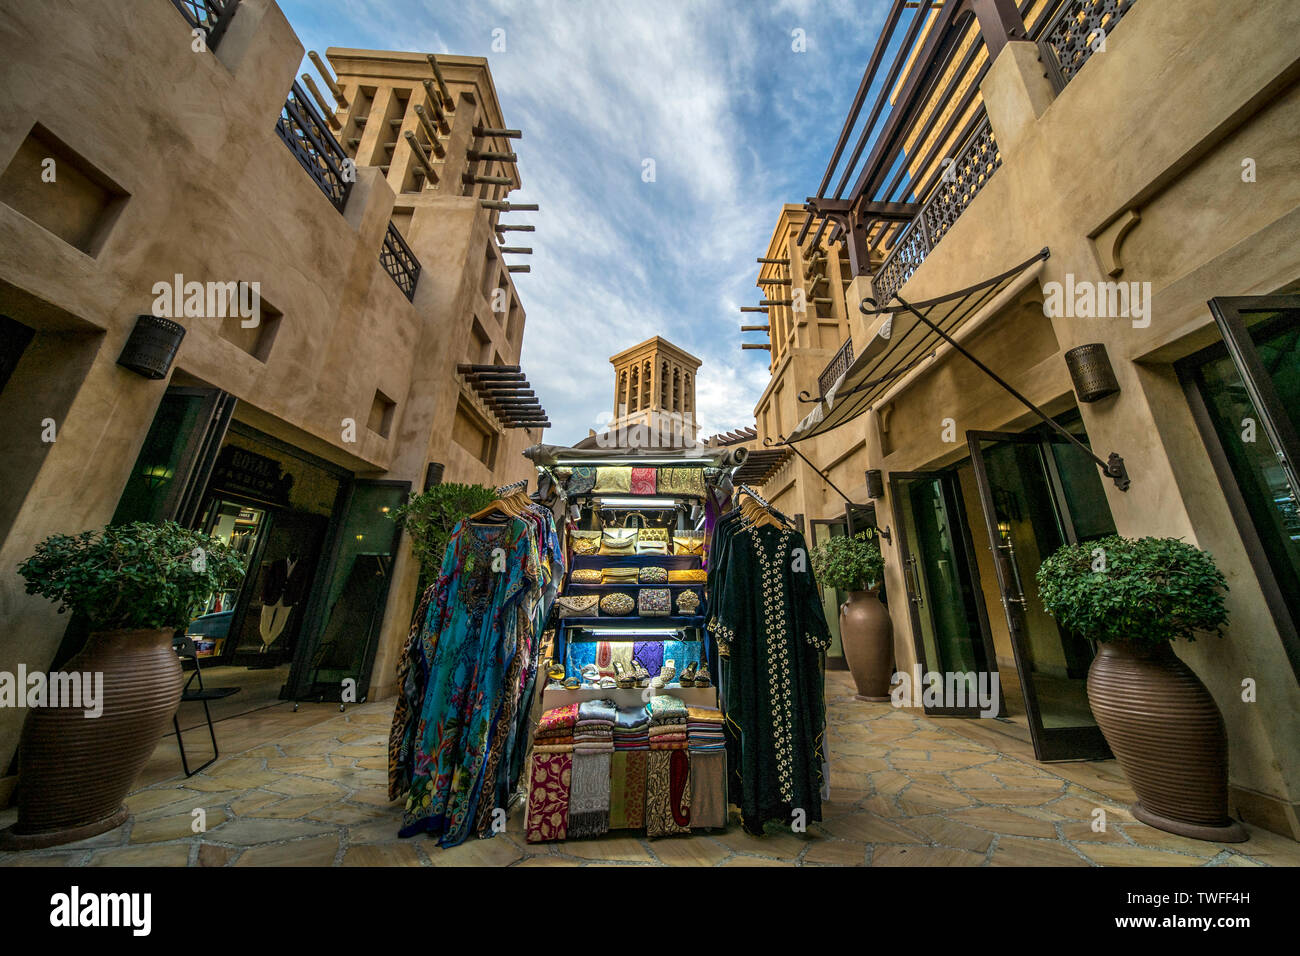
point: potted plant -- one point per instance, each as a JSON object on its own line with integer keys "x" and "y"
{"x": 429, "y": 518}
{"x": 83, "y": 747}
{"x": 854, "y": 564}
{"x": 1134, "y": 597}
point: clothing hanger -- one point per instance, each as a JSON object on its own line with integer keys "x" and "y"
{"x": 755, "y": 509}
{"x": 503, "y": 504}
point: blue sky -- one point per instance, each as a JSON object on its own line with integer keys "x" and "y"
{"x": 736, "y": 121}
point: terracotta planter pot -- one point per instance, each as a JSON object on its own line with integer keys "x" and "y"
{"x": 867, "y": 635}
{"x": 74, "y": 771}
{"x": 1168, "y": 736}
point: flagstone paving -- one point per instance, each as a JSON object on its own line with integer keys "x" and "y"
{"x": 906, "y": 790}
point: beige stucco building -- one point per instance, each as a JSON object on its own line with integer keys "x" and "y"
{"x": 1165, "y": 157}
{"x": 294, "y": 433}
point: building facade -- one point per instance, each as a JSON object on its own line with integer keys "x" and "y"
{"x": 1137, "y": 159}
{"x": 151, "y": 175}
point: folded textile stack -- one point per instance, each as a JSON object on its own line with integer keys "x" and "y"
{"x": 704, "y": 729}
{"x": 667, "y": 723}
{"x": 555, "y": 730}
{"x": 593, "y": 744}
{"x": 632, "y": 728}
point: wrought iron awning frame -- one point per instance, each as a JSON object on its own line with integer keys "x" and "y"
{"x": 1112, "y": 466}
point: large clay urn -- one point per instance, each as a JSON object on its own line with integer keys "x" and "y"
{"x": 867, "y": 636}
{"x": 74, "y": 770}
{"x": 1168, "y": 736}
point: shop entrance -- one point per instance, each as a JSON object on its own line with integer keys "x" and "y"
{"x": 1039, "y": 492}
{"x": 949, "y": 626}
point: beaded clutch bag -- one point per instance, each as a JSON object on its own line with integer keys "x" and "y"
{"x": 617, "y": 604}
{"x": 654, "y": 602}
{"x": 585, "y": 542}
{"x": 688, "y": 602}
{"x": 653, "y": 575}
{"x": 689, "y": 542}
{"x": 585, "y": 576}
{"x": 582, "y": 605}
{"x": 691, "y": 575}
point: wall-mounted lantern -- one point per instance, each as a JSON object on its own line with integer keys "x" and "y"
{"x": 1091, "y": 372}
{"x": 152, "y": 346}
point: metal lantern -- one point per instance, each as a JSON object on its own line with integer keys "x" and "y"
{"x": 152, "y": 346}
{"x": 1091, "y": 372}
{"x": 875, "y": 484}
{"x": 433, "y": 474}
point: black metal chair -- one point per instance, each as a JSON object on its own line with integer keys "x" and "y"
{"x": 184, "y": 647}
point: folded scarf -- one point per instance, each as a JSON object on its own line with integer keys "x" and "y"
{"x": 589, "y": 795}
{"x": 668, "y": 794}
{"x": 597, "y": 710}
{"x": 708, "y": 804}
{"x": 549, "y": 779}
{"x": 704, "y": 714}
{"x": 553, "y": 748}
{"x": 658, "y": 730}
{"x": 559, "y": 718}
{"x": 627, "y": 773}
{"x": 665, "y": 706}
{"x": 631, "y": 717}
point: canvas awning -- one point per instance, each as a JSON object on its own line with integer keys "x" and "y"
{"x": 902, "y": 342}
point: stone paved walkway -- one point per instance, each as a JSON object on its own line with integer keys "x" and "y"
{"x": 906, "y": 791}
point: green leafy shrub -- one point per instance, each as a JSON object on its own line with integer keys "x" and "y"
{"x": 430, "y": 517}
{"x": 1147, "y": 591}
{"x": 138, "y": 575}
{"x": 848, "y": 564}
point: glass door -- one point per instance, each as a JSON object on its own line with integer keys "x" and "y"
{"x": 823, "y": 531}
{"x": 942, "y": 582}
{"x": 1027, "y": 484}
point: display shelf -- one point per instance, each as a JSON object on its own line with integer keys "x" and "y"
{"x": 634, "y": 585}
{"x": 693, "y": 620}
{"x": 673, "y": 562}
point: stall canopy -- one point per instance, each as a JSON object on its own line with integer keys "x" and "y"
{"x": 902, "y": 343}
{"x": 699, "y": 454}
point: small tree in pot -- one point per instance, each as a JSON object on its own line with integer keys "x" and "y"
{"x": 83, "y": 746}
{"x": 854, "y": 564}
{"x": 1134, "y": 597}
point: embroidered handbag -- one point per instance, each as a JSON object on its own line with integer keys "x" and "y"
{"x": 585, "y": 542}
{"x": 618, "y": 575}
{"x": 688, "y": 575}
{"x": 653, "y": 574}
{"x": 617, "y": 604}
{"x": 688, "y": 542}
{"x": 585, "y": 576}
{"x": 652, "y": 541}
{"x": 618, "y": 541}
{"x": 653, "y": 602}
{"x": 643, "y": 481}
{"x": 681, "y": 481}
{"x": 582, "y": 605}
{"x": 613, "y": 481}
{"x": 581, "y": 481}
{"x": 688, "y": 602}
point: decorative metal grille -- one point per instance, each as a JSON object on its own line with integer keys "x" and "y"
{"x": 211, "y": 16}
{"x": 304, "y": 131}
{"x": 399, "y": 261}
{"x": 837, "y": 367}
{"x": 1077, "y": 31}
{"x": 961, "y": 182}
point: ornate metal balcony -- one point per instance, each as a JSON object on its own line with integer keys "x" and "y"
{"x": 836, "y": 367}
{"x": 210, "y": 16}
{"x": 961, "y": 182}
{"x": 304, "y": 131}
{"x": 1077, "y": 31}
{"x": 399, "y": 261}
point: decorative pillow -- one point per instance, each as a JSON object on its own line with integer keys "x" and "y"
{"x": 617, "y": 604}
{"x": 653, "y": 574}
{"x": 618, "y": 541}
{"x": 688, "y": 542}
{"x": 613, "y": 481}
{"x": 585, "y": 542}
{"x": 691, "y": 575}
{"x": 681, "y": 481}
{"x": 583, "y": 605}
{"x": 688, "y": 602}
{"x": 654, "y": 602}
{"x": 643, "y": 481}
{"x": 585, "y": 576}
{"x": 581, "y": 481}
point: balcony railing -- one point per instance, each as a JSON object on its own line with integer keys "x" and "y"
{"x": 210, "y": 16}
{"x": 1077, "y": 31}
{"x": 304, "y": 131}
{"x": 836, "y": 367}
{"x": 961, "y": 182}
{"x": 399, "y": 261}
